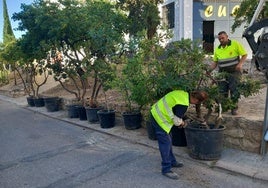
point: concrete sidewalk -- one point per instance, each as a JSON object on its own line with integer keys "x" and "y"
{"x": 232, "y": 161}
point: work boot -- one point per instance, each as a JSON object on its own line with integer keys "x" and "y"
{"x": 171, "y": 175}
{"x": 235, "y": 111}
{"x": 177, "y": 165}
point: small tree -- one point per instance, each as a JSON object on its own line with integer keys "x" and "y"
{"x": 133, "y": 83}
{"x": 31, "y": 57}
{"x": 106, "y": 78}
{"x": 134, "y": 79}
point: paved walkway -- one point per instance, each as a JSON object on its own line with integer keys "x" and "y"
{"x": 232, "y": 161}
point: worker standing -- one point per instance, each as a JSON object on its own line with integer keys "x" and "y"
{"x": 165, "y": 113}
{"x": 229, "y": 57}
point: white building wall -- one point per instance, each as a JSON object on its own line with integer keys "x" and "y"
{"x": 188, "y": 27}
{"x": 183, "y": 19}
{"x": 187, "y": 18}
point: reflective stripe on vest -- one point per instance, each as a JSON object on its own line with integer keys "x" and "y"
{"x": 228, "y": 62}
{"x": 170, "y": 113}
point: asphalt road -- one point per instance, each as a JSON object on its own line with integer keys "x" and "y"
{"x": 40, "y": 152}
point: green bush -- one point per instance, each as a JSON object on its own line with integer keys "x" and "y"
{"x": 4, "y": 77}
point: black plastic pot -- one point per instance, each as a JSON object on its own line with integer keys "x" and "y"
{"x": 92, "y": 115}
{"x": 150, "y": 131}
{"x": 204, "y": 144}
{"x": 178, "y": 136}
{"x": 30, "y": 101}
{"x": 82, "y": 113}
{"x": 132, "y": 120}
{"x": 73, "y": 111}
{"x": 106, "y": 118}
{"x": 52, "y": 104}
{"x": 39, "y": 102}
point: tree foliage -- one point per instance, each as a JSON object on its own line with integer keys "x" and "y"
{"x": 87, "y": 35}
{"x": 244, "y": 14}
{"x": 150, "y": 70}
{"x": 142, "y": 15}
{"x": 8, "y": 34}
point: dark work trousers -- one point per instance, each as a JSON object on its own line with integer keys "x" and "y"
{"x": 165, "y": 147}
{"x": 231, "y": 84}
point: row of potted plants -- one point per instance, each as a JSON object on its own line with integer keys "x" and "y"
{"x": 106, "y": 118}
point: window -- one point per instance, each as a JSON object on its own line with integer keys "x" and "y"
{"x": 169, "y": 15}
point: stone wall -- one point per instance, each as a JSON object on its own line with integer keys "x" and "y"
{"x": 242, "y": 134}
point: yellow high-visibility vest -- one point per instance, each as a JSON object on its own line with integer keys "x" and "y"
{"x": 162, "y": 110}
{"x": 229, "y": 56}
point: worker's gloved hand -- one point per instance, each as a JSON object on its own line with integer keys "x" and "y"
{"x": 177, "y": 121}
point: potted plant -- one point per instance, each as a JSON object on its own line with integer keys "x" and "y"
{"x": 155, "y": 70}
{"x": 106, "y": 76}
{"x": 181, "y": 66}
{"x": 124, "y": 83}
{"x": 67, "y": 70}
{"x": 92, "y": 105}
{"x": 205, "y": 134}
{"x": 39, "y": 74}
{"x": 106, "y": 116}
{"x": 36, "y": 77}
{"x": 135, "y": 81}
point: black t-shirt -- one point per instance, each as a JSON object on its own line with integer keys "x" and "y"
{"x": 179, "y": 110}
